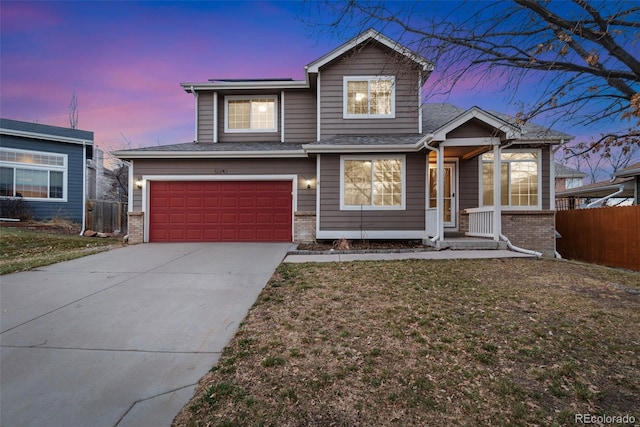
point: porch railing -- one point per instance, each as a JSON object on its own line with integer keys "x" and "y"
{"x": 480, "y": 221}
{"x": 432, "y": 221}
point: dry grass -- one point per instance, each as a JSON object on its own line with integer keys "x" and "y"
{"x": 465, "y": 342}
{"x": 22, "y": 249}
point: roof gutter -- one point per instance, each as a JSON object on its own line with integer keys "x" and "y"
{"x": 207, "y": 154}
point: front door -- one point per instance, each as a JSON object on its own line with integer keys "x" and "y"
{"x": 450, "y": 211}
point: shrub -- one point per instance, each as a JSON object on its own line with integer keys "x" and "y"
{"x": 15, "y": 207}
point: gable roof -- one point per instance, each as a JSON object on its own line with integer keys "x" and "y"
{"x": 437, "y": 116}
{"x": 46, "y": 132}
{"x": 312, "y": 68}
{"x": 510, "y": 130}
{"x": 562, "y": 171}
{"x": 631, "y": 170}
{"x": 365, "y": 37}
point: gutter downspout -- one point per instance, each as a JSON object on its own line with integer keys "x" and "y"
{"x": 84, "y": 187}
{"x": 514, "y": 248}
{"x": 605, "y": 198}
{"x": 425, "y": 143}
{"x": 195, "y": 95}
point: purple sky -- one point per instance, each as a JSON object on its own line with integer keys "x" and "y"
{"x": 125, "y": 61}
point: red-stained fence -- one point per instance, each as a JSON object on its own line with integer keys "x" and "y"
{"x": 608, "y": 236}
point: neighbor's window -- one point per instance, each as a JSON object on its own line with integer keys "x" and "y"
{"x": 248, "y": 114}
{"x": 519, "y": 179}
{"x": 32, "y": 174}
{"x": 373, "y": 183}
{"x": 369, "y": 97}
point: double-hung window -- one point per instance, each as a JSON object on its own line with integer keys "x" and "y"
{"x": 520, "y": 179}
{"x": 250, "y": 114}
{"x": 369, "y": 97}
{"x": 33, "y": 174}
{"x": 373, "y": 182}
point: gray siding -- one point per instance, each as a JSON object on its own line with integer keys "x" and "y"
{"x": 205, "y": 117}
{"x": 474, "y": 128}
{"x": 546, "y": 177}
{"x": 300, "y": 116}
{"x": 304, "y": 168}
{"x": 468, "y": 196}
{"x": 71, "y": 209}
{"x": 332, "y": 218}
{"x": 371, "y": 60}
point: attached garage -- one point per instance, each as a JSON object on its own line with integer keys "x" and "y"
{"x": 220, "y": 211}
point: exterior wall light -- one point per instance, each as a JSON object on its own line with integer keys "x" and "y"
{"x": 308, "y": 184}
{"x": 139, "y": 183}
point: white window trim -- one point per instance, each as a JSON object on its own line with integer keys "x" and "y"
{"x": 368, "y": 79}
{"x": 274, "y": 129}
{"x": 403, "y": 204}
{"x": 49, "y": 168}
{"x": 509, "y": 207}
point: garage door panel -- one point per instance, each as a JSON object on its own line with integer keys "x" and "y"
{"x": 220, "y": 211}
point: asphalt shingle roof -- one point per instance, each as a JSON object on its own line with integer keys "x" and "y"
{"x": 220, "y": 147}
{"x": 38, "y": 128}
{"x": 434, "y": 116}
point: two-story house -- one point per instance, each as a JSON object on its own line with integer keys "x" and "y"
{"x": 349, "y": 152}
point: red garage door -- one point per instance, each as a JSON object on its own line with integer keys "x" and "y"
{"x": 220, "y": 211}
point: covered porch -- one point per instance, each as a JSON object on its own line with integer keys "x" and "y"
{"x": 465, "y": 183}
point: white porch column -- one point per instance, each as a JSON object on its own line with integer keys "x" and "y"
{"x": 440, "y": 191}
{"x": 497, "y": 196}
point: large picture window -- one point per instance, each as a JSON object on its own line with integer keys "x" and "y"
{"x": 372, "y": 183}
{"x": 32, "y": 174}
{"x": 250, "y": 114}
{"x": 369, "y": 97}
{"x": 520, "y": 179}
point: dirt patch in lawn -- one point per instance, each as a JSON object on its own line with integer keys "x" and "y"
{"x": 456, "y": 342}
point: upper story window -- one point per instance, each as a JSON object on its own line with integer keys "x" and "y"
{"x": 33, "y": 174}
{"x": 520, "y": 179}
{"x": 369, "y": 97}
{"x": 250, "y": 114}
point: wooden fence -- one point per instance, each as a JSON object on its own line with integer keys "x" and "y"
{"x": 107, "y": 217}
{"x": 608, "y": 236}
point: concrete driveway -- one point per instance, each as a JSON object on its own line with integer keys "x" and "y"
{"x": 121, "y": 338}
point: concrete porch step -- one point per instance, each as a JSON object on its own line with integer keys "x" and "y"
{"x": 468, "y": 243}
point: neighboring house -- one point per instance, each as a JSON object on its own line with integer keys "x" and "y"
{"x": 103, "y": 183}
{"x": 623, "y": 185}
{"x": 46, "y": 166}
{"x": 565, "y": 179}
{"x": 348, "y": 152}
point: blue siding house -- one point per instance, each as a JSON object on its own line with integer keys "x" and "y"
{"x": 46, "y": 166}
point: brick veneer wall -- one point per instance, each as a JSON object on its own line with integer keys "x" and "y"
{"x": 136, "y": 227}
{"x": 305, "y": 227}
{"x": 533, "y": 230}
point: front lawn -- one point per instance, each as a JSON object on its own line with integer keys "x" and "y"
{"x": 460, "y": 342}
{"x": 22, "y": 249}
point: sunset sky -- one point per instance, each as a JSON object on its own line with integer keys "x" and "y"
{"x": 125, "y": 60}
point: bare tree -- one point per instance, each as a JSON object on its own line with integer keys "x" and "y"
{"x": 73, "y": 111}
{"x": 582, "y": 56}
{"x": 601, "y": 167}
